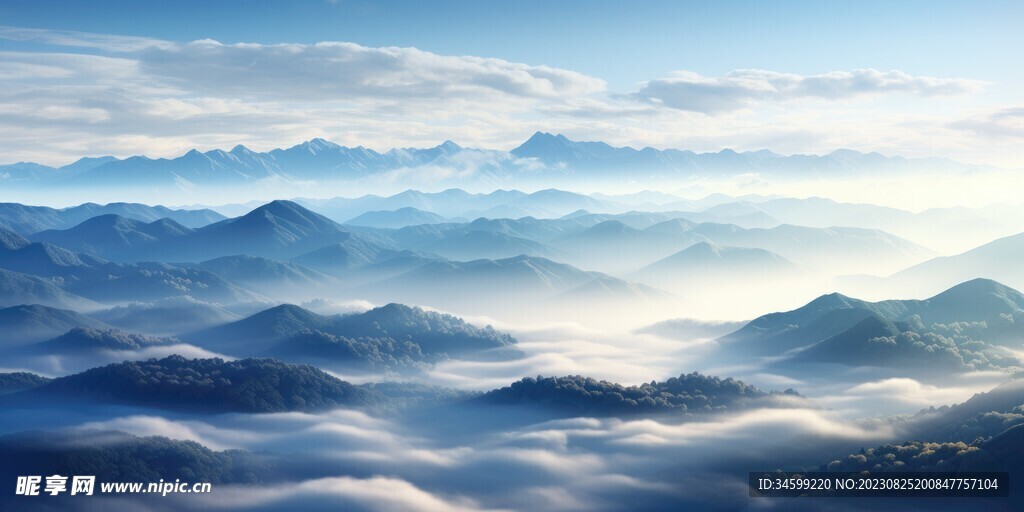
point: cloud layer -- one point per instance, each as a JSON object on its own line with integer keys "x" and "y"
{"x": 742, "y": 88}
{"x": 126, "y": 95}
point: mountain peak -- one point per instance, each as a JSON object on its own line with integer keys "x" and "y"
{"x": 705, "y": 248}
{"x": 111, "y": 220}
{"x": 280, "y": 208}
{"x": 981, "y": 293}
{"x": 289, "y": 217}
{"x": 318, "y": 145}
{"x": 87, "y": 163}
{"x": 543, "y": 144}
{"x": 979, "y": 284}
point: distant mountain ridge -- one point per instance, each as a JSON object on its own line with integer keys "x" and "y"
{"x": 24, "y": 324}
{"x": 319, "y": 159}
{"x": 581, "y": 396}
{"x": 968, "y": 326}
{"x": 31, "y": 271}
{"x": 27, "y": 220}
{"x": 278, "y": 229}
{"x": 393, "y": 337}
{"x": 249, "y": 385}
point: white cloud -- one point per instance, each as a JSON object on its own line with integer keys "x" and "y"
{"x": 342, "y": 71}
{"x": 738, "y": 89}
{"x": 115, "y": 43}
{"x": 364, "y": 463}
{"x": 1004, "y": 123}
{"x": 919, "y": 394}
{"x": 378, "y": 493}
{"x": 125, "y": 95}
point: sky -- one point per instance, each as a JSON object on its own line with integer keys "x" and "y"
{"x": 159, "y": 78}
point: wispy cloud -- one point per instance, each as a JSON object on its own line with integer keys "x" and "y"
{"x": 333, "y": 70}
{"x": 1001, "y": 123}
{"x": 114, "y": 43}
{"x": 738, "y": 89}
{"x": 126, "y": 95}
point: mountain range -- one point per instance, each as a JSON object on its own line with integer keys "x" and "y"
{"x": 974, "y": 325}
{"x": 27, "y": 220}
{"x": 212, "y": 385}
{"x": 704, "y": 264}
{"x": 582, "y": 396}
{"x": 25, "y": 324}
{"x": 999, "y": 260}
{"x": 279, "y": 229}
{"x": 322, "y": 160}
{"x": 388, "y": 337}
{"x": 42, "y": 273}
{"x": 81, "y": 341}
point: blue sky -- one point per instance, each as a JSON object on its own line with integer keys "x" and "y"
{"x": 663, "y": 70}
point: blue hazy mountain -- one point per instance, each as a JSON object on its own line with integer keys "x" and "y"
{"x": 17, "y": 288}
{"x": 405, "y": 334}
{"x": 1002, "y": 453}
{"x": 104, "y": 281}
{"x": 517, "y": 276}
{"x": 705, "y": 264}
{"x": 21, "y": 255}
{"x": 315, "y": 159}
{"x": 878, "y": 342}
{"x": 604, "y": 290}
{"x": 545, "y": 203}
{"x": 20, "y": 381}
{"x": 962, "y": 327}
{"x": 615, "y": 247}
{"x": 165, "y": 317}
{"x": 261, "y": 331}
{"x": 840, "y": 249}
{"x": 113, "y": 456}
{"x": 984, "y": 433}
{"x": 972, "y": 301}
{"x": 33, "y": 219}
{"x": 558, "y": 151}
{"x": 931, "y": 227}
{"x": 835, "y": 249}
{"x": 267, "y": 276}
{"x": 279, "y": 229}
{"x": 393, "y": 265}
{"x": 210, "y": 385}
{"x": 400, "y": 218}
{"x": 620, "y": 247}
{"x": 457, "y": 203}
{"x": 355, "y": 355}
{"x": 538, "y": 230}
{"x": 998, "y": 260}
{"x": 582, "y": 396}
{"x": 24, "y": 324}
{"x": 984, "y": 415}
{"x": 81, "y": 341}
{"x": 342, "y": 258}
{"x": 31, "y": 171}
{"x": 479, "y": 244}
{"x": 689, "y": 329}
{"x": 154, "y": 281}
{"x": 519, "y": 284}
{"x": 117, "y": 238}
{"x": 453, "y": 202}
{"x": 542, "y": 158}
